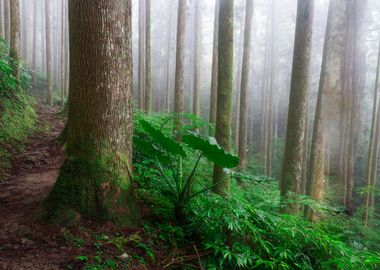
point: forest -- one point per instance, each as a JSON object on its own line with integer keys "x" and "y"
{"x": 189, "y": 134}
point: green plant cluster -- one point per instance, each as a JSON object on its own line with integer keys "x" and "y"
{"x": 17, "y": 114}
{"x": 246, "y": 231}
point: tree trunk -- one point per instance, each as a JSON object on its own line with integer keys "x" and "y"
{"x": 168, "y": 56}
{"x": 48, "y": 55}
{"x": 214, "y": 68}
{"x": 294, "y": 143}
{"x": 197, "y": 75}
{"x": 148, "y": 59}
{"x": 95, "y": 180}
{"x": 242, "y": 149}
{"x": 179, "y": 102}
{"x": 142, "y": 78}
{"x": 224, "y": 96}
{"x": 7, "y": 21}
{"x": 62, "y": 64}
{"x": 14, "y": 42}
{"x": 34, "y": 61}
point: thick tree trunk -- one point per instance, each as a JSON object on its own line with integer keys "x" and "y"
{"x": 214, "y": 68}
{"x": 225, "y": 84}
{"x": 179, "y": 102}
{"x": 48, "y": 55}
{"x": 329, "y": 85}
{"x": 148, "y": 59}
{"x": 242, "y": 149}
{"x": 95, "y": 180}
{"x": 291, "y": 174}
{"x": 14, "y": 41}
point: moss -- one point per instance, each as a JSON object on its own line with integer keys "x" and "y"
{"x": 89, "y": 187}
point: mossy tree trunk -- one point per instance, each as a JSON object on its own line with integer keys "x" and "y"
{"x": 14, "y": 41}
{"x": 291, "y": 174}
{"x": 242, "y": 149}
{"x": 221, "y": 180}
{"x": 95, "y": 180}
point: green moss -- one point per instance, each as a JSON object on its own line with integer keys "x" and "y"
{"x": 89, "y": 187}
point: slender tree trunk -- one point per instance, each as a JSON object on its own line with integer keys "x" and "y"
{"x": 48, "y": 55}
{"x": 373, "y": 142}
{"x": 95, "y": 180}
{"x": 7, "y": 20}
{"x": 168, "y": 56}
{"x": 148, "y": 60}
{"x": 34, "y": 61}
{"x": 197, "y": 75}
{"x": 14, "y": 42}
{"x": 179, "y": 103}
{"x": 2, "y": 34}
{"x": 62, "y": 65}
{"x": 214, "y": 68}
{"x": 225, "y": 85}
{"x": 242, "y": 149}
{"x": 294, "y": 143}
{"x": 142, "y": 78}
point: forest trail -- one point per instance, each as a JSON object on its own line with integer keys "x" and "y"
{"x": 23, "y": 245}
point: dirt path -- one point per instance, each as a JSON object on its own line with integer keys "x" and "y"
{"x": 24, "y": 244}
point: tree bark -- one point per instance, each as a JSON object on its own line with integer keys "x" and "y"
{"x": 214, "y": 68}
{"x": 142, "y": 78}
{"x": 148, "y": 59}
{"x": 179, "y": 103}
{"x": 242, "y": 149}
{"x": 48, "y": 55}
{"x": 95, "y": 180}
{"x": 224, "y": 95}
{"x": 197, "y": 75}
{"x": 34, "y": 61}
{"x": 7, "y": 20}
{"x": 14, "y": 41}
{"x": 291, "y": 174}
{"x": 168, "y": 56}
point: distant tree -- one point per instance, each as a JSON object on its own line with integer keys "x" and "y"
{"x": 291, "y": 174}
{"x": 34, "y": 49}
{"x": 214, "y": 68}
{"x": 14, "y": 41}
{"x": 242, "y": 149}
{"x": 95, "y": 180}
{"x": 179, "y": 103}
{"x": 197, "y": 75}
{"x": 168, "y": 58}
{"x": 62, "y": 65}
{"x": 221, "y": 180}
{"x": 48, "y": 54}
{"x": 141, "y": 72}
{"x": 371, "y": 172}
{"x": 148, "y": 58}
{"x": 7, "y": 22}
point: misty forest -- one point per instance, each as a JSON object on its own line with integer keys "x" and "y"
{"x": 189, "y": 134}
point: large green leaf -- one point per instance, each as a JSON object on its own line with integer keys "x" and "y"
{"x": 162, "y": 140}
{"x": 211, "y": 150}
{"x": 149, "y": 149}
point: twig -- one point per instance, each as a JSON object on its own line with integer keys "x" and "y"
{"x": 199, "y": 258}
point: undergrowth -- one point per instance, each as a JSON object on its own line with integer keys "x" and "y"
{"x": 16, "y": 109}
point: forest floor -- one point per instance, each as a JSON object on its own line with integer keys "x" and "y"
{"x": 27, "y": 242}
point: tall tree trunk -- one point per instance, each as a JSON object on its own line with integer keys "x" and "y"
{"x": 330, "y": 84}
{"x": 291, "y": 174}
{"x": 197, "y": 75}
{"x": 148, "y": 59}
{"x": 373, "y": 145}
{"x": 14, "y": 42}
{"x": 242, "y": 149}
{"x": 35, "y": 31}
{"x": 48, "y": 54}
{"x": 2, "y": 34}
{"x": 7, "y": 21}
{"x": 179, "y": 103}
{"x": 225, "y": 84}
{"x": 214, "y": 68}
{"x": 142, "y": 78}
{"x": 95, "y": 180}
{"x": 168, "y": 56}
{"x": 62, "y": 66}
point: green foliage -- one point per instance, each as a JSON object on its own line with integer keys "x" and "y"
{"x": 17, "y": 115}
{"x": 166, "y": 162}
